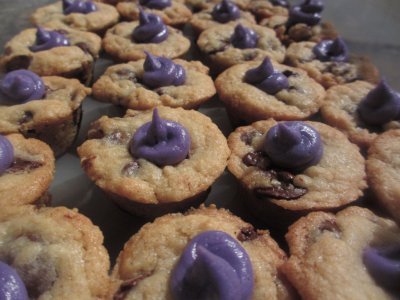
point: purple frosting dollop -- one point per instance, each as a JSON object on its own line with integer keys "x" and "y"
{"x": 155, "y": 4}
{"x": 6, "y": 154}
{"x": 293, "y": 145}
{"x": 283, "y": 3}
{"x": 161, "y": 71}
{"x": 332, "y": 50}
{"x": 151, "y": 29}
{"x": 244, "y": 37}
{"x": 11, "y": 285}
{"x": 162, "y": 142}
{"x": 78, "y": 6}
{"x": 225, "y": 11}
{"x": 22, "y": 86}
{"x": 266, "y": 78}
{"x": 384, "y": 265}
{"x": 213, "y": 266}
{"x": 309, "y": 12}
{"x": 46, "y": 40}
{"x": 381, "y": 105}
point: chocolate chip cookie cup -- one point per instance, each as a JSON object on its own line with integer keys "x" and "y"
{"x": 329, "y": 62}
{"x": 46, "y": 108}
{"x": 128, "y": 41}
{"x": 80, "y": 15}
{"x": 151, "y": 163}
{"x": 26, "y": 171}
{"x": 53, "y": 52}
{"x": 220, "y": 243}
{"x": 382, "y": 171}
{"x": 362, "y": 110}
{"x": 230, "y": 44}
{"x": 261, "y": 90}
{"x": 173, "y": 13}
{"x": 145, "y": 84}
{"x": 287, "y": 169}
{"x": 57, "y": 252}
{"x": 221, "y": 13}
{"x": 350, "y": 255}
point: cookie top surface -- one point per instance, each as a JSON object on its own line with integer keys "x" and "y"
{"x": 123, "y": 85}
{"x": 326, "y": 259}
{"x": 303, "y": 97}
{"x": 383, "y": 166}
{"x": 61, "y": 61}
{"x": 105, "y": 157}
{"x": 328, "y": 184}
{"x": 166, "y": 239}
{"x": 174, "y": 15}
{"x": 330, "y": 73}
{"x": 63, "y": 96}
{"x": 104, "y": 17}
{"x": 30, "y": 175}
{"x": 57, "y": 252}
{"x": 216, "y": 43}
{"x": 118, "y": 42}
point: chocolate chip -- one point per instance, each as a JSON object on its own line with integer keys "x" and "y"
{"x": 26, "y": 117}
{"x": 127, "y": 285}
{"x": 85, "y": 47}
{"x": 247, "y": 137}
{"x": 131, "y": 168}
{"x": 18, "y": 62}
{"x": 127, "y": 75}
{"x": 250, "y": 55}
{"x": 247, "y": 234}
{"x": 330, "y": 225}
{"x": 21, "y": 165}
{"x": 117, "y": 137}
{"x": 283, "y": 186}
{"x": 289, "y": 73}
{"x": 256, "y": 159}
{"x": 96, "y": 134}
{"x": 87, "y": 163}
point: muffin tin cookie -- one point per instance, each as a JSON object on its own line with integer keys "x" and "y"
{"x": 278, "y": 194}
{"x": 142, "y": 185}
{"x": 344, "y": 256}
{"x": 64, "y": 13}
{"x": 57, "y": 252}
{"x": 137, "y": 274}
{"x": 175, "y": 14}
{"x": 247, "y": 103}
{"x": 28, "y": 171}
{"x": 54, "y": 117}
{"x": 383, "y": 171}
{"x": 124, "y": 85}
{"x": 218, "y": 45}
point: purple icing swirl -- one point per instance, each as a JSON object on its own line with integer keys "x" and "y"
{"x": 162, "y": 142}
{"x": 22, "y": 86}
{"x": 46, "y": 40}
{"x": 225, "y": 11}
{"x": 293, "y": 145}
{"x": 283, "y": 3}
{"x": 151, "y": 29}
{"x": 161, "y": 71}
{"x": 6, "y": 154}
{"x": 11, "y": 285}
{"x": 384, "y": 265}
{"x": 78, "y": 6}
{"x": 380, "y": 106}
{"x": 213, "y": 266}
{"x": 155, "y": 4}
{"x": 266, "y": 78}
{"x": 309, "y": 13}
{"x": 332, "y": 50}
{"x": 244, "y": 37}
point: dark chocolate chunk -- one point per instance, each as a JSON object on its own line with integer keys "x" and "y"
{"x": 18, "y": 62}
{"x": 247, "y": 137}
{"x": 85, "y": 47}
{"x": 127, "y": 75}
{"x": 289, "y": 73}
{"x": 250, "y": 55}
{"x": 26, "y": 117}
{"x": 247, "y": 234}
{"x": 87, "y": 162}
{"x": 256, "y": 159}
{"x": 127, "y": 285}
{"x": 96, "y": 134}
{"x": 20, "y": 165}
{"x": 131, "y": 168}
{"x": 330, "y": 225}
